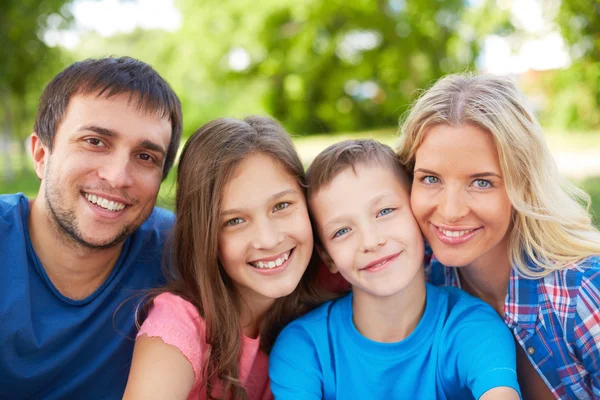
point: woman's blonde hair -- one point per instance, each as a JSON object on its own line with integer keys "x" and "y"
{"x": 551, "y": 226}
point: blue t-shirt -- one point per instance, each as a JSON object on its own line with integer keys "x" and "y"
{"x": 459, "y": 350}
{"x": 52, "y": 347}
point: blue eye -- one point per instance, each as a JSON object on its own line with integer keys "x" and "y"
{"x": 281, "y": 206}
{"x": 430, "y": 180}
{"x": 385, "y": 211}
{"x": 234, "y": 221}
{"x": 482, "y": 183}
{"x": 341, "y": 232}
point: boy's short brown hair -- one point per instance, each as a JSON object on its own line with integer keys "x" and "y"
{"x": 347, "y": 154}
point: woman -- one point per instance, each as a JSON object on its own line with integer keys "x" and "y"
{"x": 506, "y": 227}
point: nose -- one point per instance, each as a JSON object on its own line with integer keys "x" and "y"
{"x": 371, "y": 238}
{"x": 267, "y": 234}
{"x": 453, "y": 206}
{"x": 117, "y": 171}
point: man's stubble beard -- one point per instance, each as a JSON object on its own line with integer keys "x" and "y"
{"x": 65, "y": 223}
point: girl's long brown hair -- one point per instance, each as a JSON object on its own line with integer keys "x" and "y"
{"x": 206, "y": 165}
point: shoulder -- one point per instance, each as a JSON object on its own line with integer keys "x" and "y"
{"x": 313, "y": 326}
{"x": 159, "y": 222}
{"x": 11, "y": 204}
{"x": 460, "y": 309}
{"x": 177, "y": 323}
{"x": 168, "y": 308}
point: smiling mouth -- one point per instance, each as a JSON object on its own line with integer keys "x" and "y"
{"x": 105, "y": 204}
{"x": 263, "y": 264}
{"x": 456, "y": 233}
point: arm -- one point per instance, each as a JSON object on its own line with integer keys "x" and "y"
{"x": 294, "y": 368}
{"x": 500, "y": 393}
{"x": 158, "y": 371}
{"x": 482, "y": 349}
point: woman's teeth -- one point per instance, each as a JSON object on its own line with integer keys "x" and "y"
{"x": 271, "y": 264}
{"x": 455, "y": 233}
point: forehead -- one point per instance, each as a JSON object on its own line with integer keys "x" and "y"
{"x": 352, "y": 189}
{"x": 255, "y": 179}
{"x": 119, "y": 113}
{"x": 459, "y": 147}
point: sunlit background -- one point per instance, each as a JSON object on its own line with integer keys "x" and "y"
{"x": 327, "y": 69}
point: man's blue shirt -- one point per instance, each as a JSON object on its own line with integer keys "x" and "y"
{"x": 53, "y": 347}
{"x": 459, "y": 350}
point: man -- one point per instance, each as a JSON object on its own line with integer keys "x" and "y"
{"x": 76, "y": 260}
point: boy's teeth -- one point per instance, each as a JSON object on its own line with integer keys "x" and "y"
{"x": 104, "y": 203}
{"x": 271, "y": 264}
{"x": 455, "y": 233}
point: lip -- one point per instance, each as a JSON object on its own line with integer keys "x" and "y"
{"x": 455, "y": 240}
{"x": 275, "y": 270}
{"x": 381, "y": 263}
{"x": 273, "y": 258}
{"x": 108, "y": 197}
{"x": 101, "y": 213}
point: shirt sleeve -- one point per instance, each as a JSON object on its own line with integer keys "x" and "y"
{"x": 178, "y": 323}
{"x": 294, "y": 368}
{"x": 587, "y": 326}
{"x": 480, "y": 350}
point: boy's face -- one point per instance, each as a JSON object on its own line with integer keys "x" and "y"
{"x": 368, "y": 230}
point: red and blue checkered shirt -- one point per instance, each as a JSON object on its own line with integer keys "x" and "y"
{"x": 556, "y": 319}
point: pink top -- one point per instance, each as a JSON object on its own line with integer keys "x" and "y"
{"x": 178, "y": 323}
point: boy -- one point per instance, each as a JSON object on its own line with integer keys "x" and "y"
{"x": 393, "y": 336}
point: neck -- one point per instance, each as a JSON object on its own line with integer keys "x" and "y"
{"x": 75, "y": 270}
{"x": 488, "y": 276}
{"x": 252, "y": 312}
{"x": 389, "y": 319}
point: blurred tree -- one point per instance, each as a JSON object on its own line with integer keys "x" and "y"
{"x": 327, "y": 66}
{"x": 577, "y": 90}
{"x": 25, "y": 63}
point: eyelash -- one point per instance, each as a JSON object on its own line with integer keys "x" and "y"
{"x": 100, "y": 143}
{"x": 343, "y": 231}
{"x": 425, "y": 178}
{"x": 286, "y": 203}
{"x": 231, "y": 221}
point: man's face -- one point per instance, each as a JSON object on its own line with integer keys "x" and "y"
{"x": 102, "y": 177}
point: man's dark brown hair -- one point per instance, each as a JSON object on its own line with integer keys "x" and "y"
{"x": 110, "y": 77}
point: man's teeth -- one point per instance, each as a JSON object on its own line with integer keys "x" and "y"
{"x": 104, "y": 203}
{"x": 271, "y": 264}
{"x": 455, "y": 233}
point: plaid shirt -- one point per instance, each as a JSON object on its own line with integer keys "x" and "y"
{"x": 556, "y": 319}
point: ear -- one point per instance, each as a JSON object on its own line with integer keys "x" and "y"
{"x": 326, "y": 258}
{"x": 38, "y": 154}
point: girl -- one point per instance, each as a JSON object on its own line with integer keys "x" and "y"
{"x": 242, "y": 244}
{"x": 506, "y": 227}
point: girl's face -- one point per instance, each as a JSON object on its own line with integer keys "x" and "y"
{"x": 459, "y": 198}
{"x": 265, "y": 236}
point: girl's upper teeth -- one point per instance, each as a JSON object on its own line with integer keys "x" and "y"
{"x": 272, "y": 264}
{"x": 104, "y": 203}
{"x": 455, "y": 233}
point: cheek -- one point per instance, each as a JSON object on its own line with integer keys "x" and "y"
{"x": 420, "y": 205}
{"x": 229, "y": 248}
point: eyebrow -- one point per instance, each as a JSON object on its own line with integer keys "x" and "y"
{"x": 272, "y": 198}
{"x": 477, "y": 175}
{"x": 146, "y": 144}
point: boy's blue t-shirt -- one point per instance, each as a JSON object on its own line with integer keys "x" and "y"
{"x": 52, "y": 347}
{"x": 459, "y": 350}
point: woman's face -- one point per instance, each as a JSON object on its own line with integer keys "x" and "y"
{"x": 458, "y": 195}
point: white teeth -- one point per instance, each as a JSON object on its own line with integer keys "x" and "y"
{"x": 104, "y": 203}
{"x": 271, "y": 264}
{"x": 455, "y": 233}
